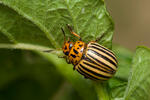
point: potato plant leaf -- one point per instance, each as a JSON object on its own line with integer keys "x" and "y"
{"x": 39, "y": 22}
{"x": 35, "y": 25}
{"x": 138, "y": 87}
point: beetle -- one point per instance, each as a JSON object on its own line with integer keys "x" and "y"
{"x": 91, "y": 59}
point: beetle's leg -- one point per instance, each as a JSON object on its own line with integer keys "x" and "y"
{"x": 70, "y": 28}
{"x": 68, "y": 61}
{"x": 99, "y": 38}
{"x": 74, "y": 67}
{"x": 65, "y": 57}
{"x": 85, "y": 77}
{"x": 61, "y": 56}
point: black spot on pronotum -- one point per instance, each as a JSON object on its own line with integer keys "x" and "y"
{"x": 75, "y": 51}
{"x": 73, "y": 56}
{"x": 77, "y": 48}
{"x": 80, "y": 45}
{"x": 66, "y": 53}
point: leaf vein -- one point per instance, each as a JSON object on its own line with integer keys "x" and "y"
{"x": 8, "y": 35}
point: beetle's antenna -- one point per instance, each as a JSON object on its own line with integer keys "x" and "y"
{"x": 63, "y": 34}
{"x": 70, "y": 28}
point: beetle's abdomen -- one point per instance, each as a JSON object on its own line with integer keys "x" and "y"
{"x": 99, "y": 62}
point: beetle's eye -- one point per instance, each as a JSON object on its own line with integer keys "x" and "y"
{"x": 70, "y": 45}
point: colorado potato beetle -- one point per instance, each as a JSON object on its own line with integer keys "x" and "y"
{"x": 91, "y": 60}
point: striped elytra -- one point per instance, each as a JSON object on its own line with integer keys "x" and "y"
{"x": 91, "y": 60}
{"x": 98, "y": 63}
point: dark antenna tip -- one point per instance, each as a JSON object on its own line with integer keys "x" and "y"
{"x": 63, "y": 33}
{"x": 69, "y": 27}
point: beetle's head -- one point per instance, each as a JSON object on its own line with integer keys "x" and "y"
{"x": 67, "y": 47}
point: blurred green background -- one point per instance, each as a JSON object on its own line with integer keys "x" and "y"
{"x": 31, "y": 77}
{"x": 26, "y": 79}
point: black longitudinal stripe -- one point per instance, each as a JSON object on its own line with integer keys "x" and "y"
{"x": 95, "y": 67}
{"x": 80, "y": 72}
{"x": 95, "y": 73}
{"x": 103, "y": 48}
{"x": 102, "y": 56}
{"x": 85, "y": 76}
{"x": 90, "y": 76}
{"x": 101, "y": 62}
{"x": 104, "y": 52}
{"x": 91, "y": 61}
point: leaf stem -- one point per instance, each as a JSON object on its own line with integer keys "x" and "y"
{"x": 24, "y": 46}
{"x": 102, "y": 90}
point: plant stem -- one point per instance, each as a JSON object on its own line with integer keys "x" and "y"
{"x": 102, "y": 90}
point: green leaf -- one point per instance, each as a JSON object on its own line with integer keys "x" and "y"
{"x": 83, "y": 86}
{"x": 117, "y": 87}
{"x": 3, "y": 39}
{"x": 118, "y": 83}
{"x": 138, "y": 87}
{"x": 35, "y": 25}
{"x": 26, "y": 76}
{"x": 66, "y": 92}
{"x": 124, "y": 57}
{"x": 38, "y": 22}
{"x": 17, "y": 29}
